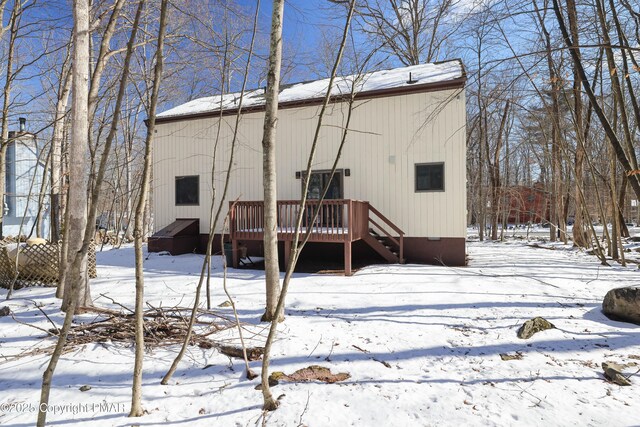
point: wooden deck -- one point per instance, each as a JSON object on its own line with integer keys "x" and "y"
{"x": 337, "y": 221}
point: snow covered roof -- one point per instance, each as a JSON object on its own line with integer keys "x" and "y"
{"x": 414, "y": 78}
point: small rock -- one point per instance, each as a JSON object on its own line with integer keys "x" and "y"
{"x": 623, "y": 304}
{"x": 272, "y": 382}
{"x": 533, "y": 326}
{"x": 85, "y": 388}
{"x": 312, "y": 373}
{"x": 5, "y": 311}
{"x": 516, "y": 356}
{"x": 612, "y": 371}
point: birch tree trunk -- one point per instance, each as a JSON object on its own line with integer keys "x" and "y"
{"x": 77, "y": 197}
{"x": 76, "y": 191}
{"x": 138, "y": 230}
{"x": 56, "y": 151}
{"x": 269, "y": 403}
{"x": 271, "y": 265}
{"x": 77, "y": 257}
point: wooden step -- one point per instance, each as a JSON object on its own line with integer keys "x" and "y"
{"x": 381, "y": 249}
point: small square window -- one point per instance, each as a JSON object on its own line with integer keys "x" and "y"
{"x": 430, "y": 177}
{"x": 187, "y": 190}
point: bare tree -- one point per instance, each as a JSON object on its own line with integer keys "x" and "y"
{"x": 75, "y": 269}
{"x": 77, "y": 201}
{"x": 628, "y": 163}
{"x": 579, "y": 226}
{"x": 3, "y": 29}
{"x": 271, "y": 265}
{"x": 269, "y": 403}
{"x": 215, "y": 212}
{"x": 138, "y": 230}
{"x": 413, "y": 31}
{"x": 494, "y": 172}
{"x": 57, "y": 138}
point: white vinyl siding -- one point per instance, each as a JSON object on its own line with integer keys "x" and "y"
{"x": 387, "y": 137}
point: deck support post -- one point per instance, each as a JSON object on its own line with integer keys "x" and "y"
{"x": 287, "y": 252}
{"x": 347, "y": 258}
{"x": 234, "y": 251}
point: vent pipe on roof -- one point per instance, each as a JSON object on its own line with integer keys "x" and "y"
{"x": 23, "y": 124}
{"x": 411, "y": 81}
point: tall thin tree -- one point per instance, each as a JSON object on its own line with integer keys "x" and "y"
{"x": 138, "y": 229}
{"x": 271, "y": 265}
{"x": 77, "y": 204}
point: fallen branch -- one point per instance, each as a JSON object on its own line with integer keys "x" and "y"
{"x": 163, "y": 327}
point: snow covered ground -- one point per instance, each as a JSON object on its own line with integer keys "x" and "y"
{"x": 440, "y": 330}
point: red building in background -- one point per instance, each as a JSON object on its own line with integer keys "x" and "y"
{"x": 528, "y": 204}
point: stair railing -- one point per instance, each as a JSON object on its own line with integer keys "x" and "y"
{"x": 399, "y": 242}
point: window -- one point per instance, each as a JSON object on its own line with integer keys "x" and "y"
{"x": 320, "y": 179}
{"x": 430, "y": 177}
{"x": 187, "y": 190}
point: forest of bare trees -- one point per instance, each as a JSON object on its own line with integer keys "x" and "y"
{"x": 552, "y": 120}
{"x": 552, "y": 126}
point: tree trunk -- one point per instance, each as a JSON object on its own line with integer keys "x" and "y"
{"x": 77, "y": 199}
{"x": 78, "y": 149}
{"x": 556, "y": 227}
{"x": 138, "y": 230}
{"x": 57, "y": 138}
{"x": 624, "y": 230}
{"x": 482, "y": 203}
{"x": 579, "y": 227}
{"x": 613, "y": 247}
{"x": 271, "y": 264}
{"x": 269, "y": 403}
{"x": 494, "y": 173}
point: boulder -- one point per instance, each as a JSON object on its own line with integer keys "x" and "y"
{"x": 623, "y": 304}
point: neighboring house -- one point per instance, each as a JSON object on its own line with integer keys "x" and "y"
{"x": 23, "y": 185}
{"x": 528, "y": 204}
{"x": 402, "y": 172}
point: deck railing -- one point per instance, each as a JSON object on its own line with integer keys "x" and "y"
{"x": 337, "y": 220}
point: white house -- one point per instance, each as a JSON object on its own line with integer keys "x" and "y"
{"x": 400, "y": 187}
{"x": 24, "y": 174}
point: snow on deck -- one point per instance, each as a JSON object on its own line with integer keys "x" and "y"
{"x": 441, "y": 330}
{"x": 385, "y": 79}
{"x": 303, "y": 230}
